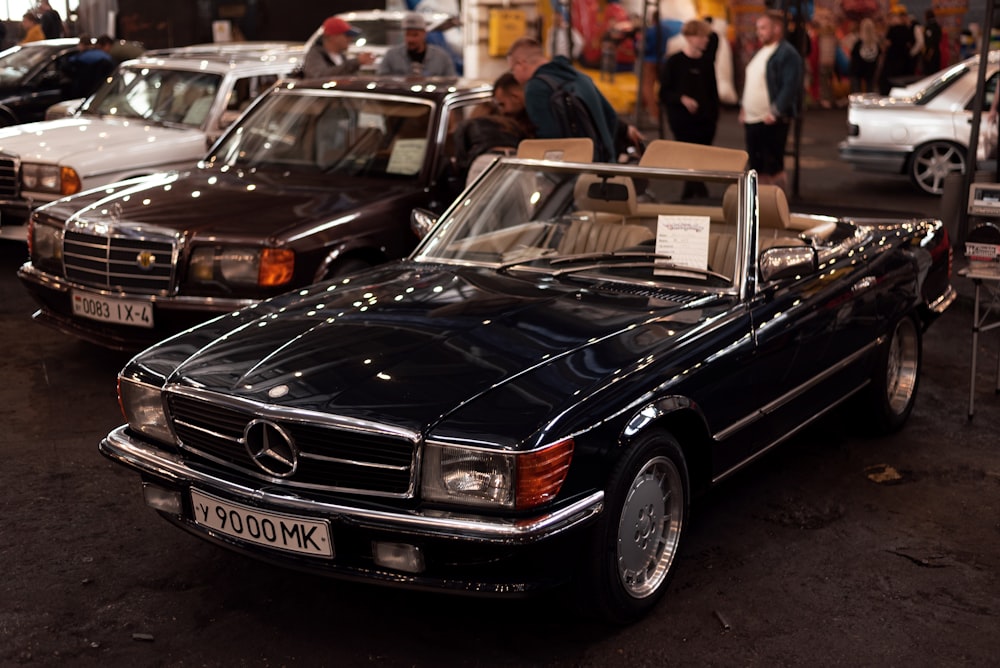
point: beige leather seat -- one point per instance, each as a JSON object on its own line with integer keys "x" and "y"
{"x": 599, "y": 224}
{"x": 588, "y": 236}
{"x": 682, "y": 155}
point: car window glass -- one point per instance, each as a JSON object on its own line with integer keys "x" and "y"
{"x": 158, "y": 95}
{"x": 246, "y": 89}
{"x": 355, "y": 135}
{"x": 547, "y": 217}
{"x": 18, "y": 61}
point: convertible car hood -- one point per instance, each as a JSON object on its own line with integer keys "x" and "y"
{"x": 95, "y": 145}
{"x": 228, "y": 204}
{"x": 414, "y": 343}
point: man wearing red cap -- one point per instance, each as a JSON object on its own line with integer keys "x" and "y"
{"x": 328, "y": 56}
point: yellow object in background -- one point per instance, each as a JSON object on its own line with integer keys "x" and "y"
{"x": 506, "y": 26}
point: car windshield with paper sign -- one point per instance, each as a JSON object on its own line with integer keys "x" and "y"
{"x": 534, "y": 395}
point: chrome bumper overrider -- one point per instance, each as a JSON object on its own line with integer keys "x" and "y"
{"x": 120, "y": 446}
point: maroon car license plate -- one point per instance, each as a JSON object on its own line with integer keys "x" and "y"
{"x": 134, "y": 312}
{"x": 291, "y": 533}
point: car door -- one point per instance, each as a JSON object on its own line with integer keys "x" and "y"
{"x": 44, "y": 87}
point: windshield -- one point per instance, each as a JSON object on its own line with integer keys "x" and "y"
{"x": 18, "y": 61}
{"x": 156, "y": 94}
{"x": 333, "y": 133}
{"x": 615, "y": 222}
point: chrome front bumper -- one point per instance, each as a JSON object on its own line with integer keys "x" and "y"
{"x": 136, "y": 454}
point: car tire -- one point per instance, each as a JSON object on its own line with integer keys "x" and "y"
{"x": 894, "y": 382}
{"x": 636, "y": 542}
{"x": 932, "y": 162}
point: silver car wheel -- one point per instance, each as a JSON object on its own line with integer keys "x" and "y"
{"x": 649, "y": 527}
{"x": 932, "y": 162}
{"x": 902, "y": 366}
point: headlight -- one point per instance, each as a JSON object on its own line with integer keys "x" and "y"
{"x": 142, "y": 406}
{"x": 478, "y": 477}
{"x": 44, "y": 242}
{"x": 263, "y": 267}
{"x": 54, "y": 179}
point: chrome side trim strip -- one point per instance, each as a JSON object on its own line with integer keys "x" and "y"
{"x": 767, "y": 409}
{"x": 760, "y": 453}
{"x": 136, "y": 454}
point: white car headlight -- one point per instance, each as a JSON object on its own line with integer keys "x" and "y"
{"x": 37, "y": 177}
{"x": 493, "y": 478}
{"x": 142, "y": 406}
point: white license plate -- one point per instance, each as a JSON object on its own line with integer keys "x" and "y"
{"x": 301, "y": 535}
{"x": 135, "y": 312}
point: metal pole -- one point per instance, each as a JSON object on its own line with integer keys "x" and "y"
{"x": 977, "y": 114}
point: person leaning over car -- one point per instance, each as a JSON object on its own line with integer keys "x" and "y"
{"x": 415, "y": 56}
{"x": 90, "y": 66}
{"x": 328, "y": 56}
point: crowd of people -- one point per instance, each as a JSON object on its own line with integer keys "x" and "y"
{"x": 530, "y": 99}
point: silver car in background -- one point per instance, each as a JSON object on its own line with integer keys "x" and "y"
{"x": 920, "y": 130}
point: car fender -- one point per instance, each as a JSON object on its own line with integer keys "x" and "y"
{"x": 684, "y": 419}
{"x": 361, "y": 247}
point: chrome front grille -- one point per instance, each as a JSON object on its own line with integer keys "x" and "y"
{"x": 330, "y": 458}
{"x": 138, "y": 265}
{"x": 8, "y": 177}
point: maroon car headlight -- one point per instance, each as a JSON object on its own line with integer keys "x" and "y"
{"x": 142, "y": 406}
{"x": 44, "y": 242}
{"x": 244, "y": 267}
{"x": 492, "y": 478}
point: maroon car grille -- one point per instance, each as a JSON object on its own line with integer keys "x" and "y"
{"x": 329, "y": 458}
{"x": 139, "y": 265}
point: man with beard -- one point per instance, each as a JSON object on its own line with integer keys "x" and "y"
{"x": 415, "y": 56}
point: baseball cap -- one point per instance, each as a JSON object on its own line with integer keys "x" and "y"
{"x": 338, "y": 26}
{"x": 414, "y": 21}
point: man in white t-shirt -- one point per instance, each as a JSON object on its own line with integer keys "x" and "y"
{"x": 772, "y": 90}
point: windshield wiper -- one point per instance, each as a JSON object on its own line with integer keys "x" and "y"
{"x": 632, "y": 259}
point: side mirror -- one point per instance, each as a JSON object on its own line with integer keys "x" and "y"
{"x": 786, "y": 262}
{"x": 421, "y": 222}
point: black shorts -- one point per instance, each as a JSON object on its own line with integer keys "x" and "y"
{"x": 766, "y": 146}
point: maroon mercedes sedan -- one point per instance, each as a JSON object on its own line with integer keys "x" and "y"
{"x": 316, "y": 180}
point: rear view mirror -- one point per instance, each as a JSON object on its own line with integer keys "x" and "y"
{"x": 609, "y": 192}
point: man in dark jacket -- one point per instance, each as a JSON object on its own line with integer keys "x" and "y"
{"x": 540, "y": 76}
{"x": 771, "y": 95}
{"x": 51, "y": 20}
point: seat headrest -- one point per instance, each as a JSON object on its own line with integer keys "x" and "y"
{"x": 682, "y": 155}
{"x": 772, "y": 206}
{"x": 587, "y": 198}
{"x": 575, "y": 149}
